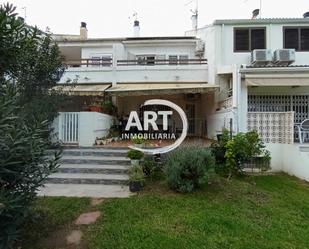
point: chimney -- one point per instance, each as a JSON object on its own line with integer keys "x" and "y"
{"x": 194, "y": 20}
{"x": 83, "y": 32}
{"x": 136, "y": 29}
{"x": 255, "y": 13}
{"x": 306, "y": 15}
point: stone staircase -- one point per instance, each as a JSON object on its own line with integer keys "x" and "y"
{"x": 90, "y": 172}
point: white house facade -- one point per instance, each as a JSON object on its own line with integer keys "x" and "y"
{"x": 237, "y": 74}
{"x": 262, "y": 66}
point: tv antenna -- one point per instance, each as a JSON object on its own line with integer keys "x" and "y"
{"x": 195, "y": 10}
{"x": 134, "y": 16}
{"x": 25, "y": 12}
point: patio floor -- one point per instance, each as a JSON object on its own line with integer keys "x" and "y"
{"x": 158, "y": 143}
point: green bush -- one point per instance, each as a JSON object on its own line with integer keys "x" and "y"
{"x": 136, "y": 174}
{"x": 152, "y": 169}
{"x": 187, "y": 168}
{"x": 135, "y": 154}
{"x": 243, "y": 148}
{"x": 218, "y": 149}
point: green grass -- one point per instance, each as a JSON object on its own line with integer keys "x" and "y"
{"x": 256, "y": 212}
{"x": 52, "y": 214}
{"x": 253, "y": 212}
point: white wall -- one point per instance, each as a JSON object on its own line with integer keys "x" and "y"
{"x": 92, "y": 125}
{"x": 274, "y": 41}
{"x": 219, "y": 120}
{"x": 160, "y": 73}
{"x": 289, "y": 159}
{"x": 163, "y": 49}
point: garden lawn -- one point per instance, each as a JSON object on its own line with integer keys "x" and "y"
{"x": 252, "y": 212}
{"x": 256, "y": 212}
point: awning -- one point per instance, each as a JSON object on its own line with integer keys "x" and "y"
{"x": 84, "y": 89}
{"x": 126, "y": 89}
{"x": 277, "y": 80}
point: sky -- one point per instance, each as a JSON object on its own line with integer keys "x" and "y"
{"x": 114, "y": 18}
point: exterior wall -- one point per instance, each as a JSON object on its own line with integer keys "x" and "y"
{"x": 219, "y": 120}
{"x": 274, "y": 41}
{"x": 150, "y": 74}
{"x": 92, "y": 125}
{"x": 161, "y": 49}
{"x": 288, "y": 158}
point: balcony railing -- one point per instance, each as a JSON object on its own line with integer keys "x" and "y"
{"x": 106, "y": 62}
{"x": 153, "y": 62}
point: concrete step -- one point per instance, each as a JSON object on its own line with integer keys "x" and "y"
{"x": 102, "y": 160}
{"x": 93, "y": 168}
{"x": 95, "y": 152}
{"x": 85, "y": 190}
{"x": 88, "y": 178}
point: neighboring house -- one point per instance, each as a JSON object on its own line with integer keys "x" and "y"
{"x": 262, "y": 68}
{"x": 239, "y": 74}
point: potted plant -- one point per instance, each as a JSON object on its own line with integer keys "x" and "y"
{"x": 136, "y": 178}
{"x": 95, "y": 108}
{"x": 138, "y": 142}
{"x": 108, "y": 107}
{"x": 135, "y": 156}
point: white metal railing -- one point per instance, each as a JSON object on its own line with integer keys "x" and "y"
{"x": 273, "y": 127}
{"x": 69, "y": 127}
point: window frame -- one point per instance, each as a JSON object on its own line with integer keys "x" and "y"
{"x": 249, "y": 29}
{"x": 299, "y": 28}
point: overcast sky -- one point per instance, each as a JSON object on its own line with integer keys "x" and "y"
{"x": 110, "y": 18}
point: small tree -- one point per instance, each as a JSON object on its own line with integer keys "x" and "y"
{"x": 30, "y": 65}
{"x": 24, "y": 164}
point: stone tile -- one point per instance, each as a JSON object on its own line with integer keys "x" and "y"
{"x": 74, "y": 237}
{"x": 88, "y": 218}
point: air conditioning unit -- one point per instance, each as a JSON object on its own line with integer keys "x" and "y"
{"x": 261, "y": 57}
{"x": 199, "y": 48}
{"x": 284, "y": 57}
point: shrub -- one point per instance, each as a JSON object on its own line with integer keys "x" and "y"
{"x": 152, "y": 169}
{"x": 242, "y": 149}
{"x": 218, "y": 149}
{"x": 137, "y": 140}
{"x": 136, "y": 174}
{"x": 135, "y": 154}
{"x": 187, "y": 168}
{"x": 149, "y": 167}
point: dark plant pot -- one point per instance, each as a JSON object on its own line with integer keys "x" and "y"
{"x": 135, "y": 186}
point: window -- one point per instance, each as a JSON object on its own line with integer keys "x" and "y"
{"x": 248, "y": 39}
{"x": 297, "y": 38}
{"x": 173, "y": 59}
{"x": 183, "y": 59}
{"x": 95, "y": 61}
{"x": 104, "y": 60}
{"x": 160, "y": 59}
{"x": 145, "y": 59}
